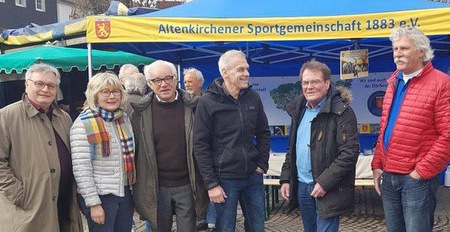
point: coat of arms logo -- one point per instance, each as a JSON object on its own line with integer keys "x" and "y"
{"x": 102, "y": 27}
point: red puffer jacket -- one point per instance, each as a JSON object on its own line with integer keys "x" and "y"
{"x": 421, "y": 137}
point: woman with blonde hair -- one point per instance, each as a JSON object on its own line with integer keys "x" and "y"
{"x": 102, "y": 144}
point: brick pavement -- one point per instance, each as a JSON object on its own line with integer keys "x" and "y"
{"x": 367, "y": 216}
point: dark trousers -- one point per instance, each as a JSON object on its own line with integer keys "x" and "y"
{"x": 118, "y": 213}
{"x": 179, "y": 199}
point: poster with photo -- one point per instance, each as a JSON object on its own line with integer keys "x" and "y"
{"x": 354, "y": 64}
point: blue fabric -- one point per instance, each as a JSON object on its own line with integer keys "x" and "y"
{"x": 148, "y": 227}
{"x": 288, "y": 8}
{"x": 400, "y": 93}
{"x": 408, "y": 204}
{"x": 211, "y": 215}
{"x": 308, "y": 212}
{"x": 118, "y": 212}
{"x": 249, "y": 193}
{"x": 302, "y": 144}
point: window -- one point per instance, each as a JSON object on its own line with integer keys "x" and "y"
{"x": 22, "y": 3}
{"x": 40, "y": 5}
{"x": 2, "y": 0}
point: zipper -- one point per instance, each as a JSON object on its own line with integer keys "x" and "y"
{"x": 242, "y": 137}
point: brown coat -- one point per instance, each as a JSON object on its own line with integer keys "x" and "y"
{"x": 28, "y": 151}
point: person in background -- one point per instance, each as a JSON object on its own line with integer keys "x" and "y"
{"x": 102, "y": 144}
{"x": 319, "y": 171}
{"x": 228, "y": 117}
{"x": 414, "y": 142}
{"x": 127, "y": 70}
{"x": 135, "y": 87}
{"x": 167, "y": 177}
{"x": 193, "y": 81}
{"x": 37, "y": 190}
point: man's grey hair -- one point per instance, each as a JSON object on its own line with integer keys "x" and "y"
{"x": 226, "y": 58}
{"x": 148, "y": 68}
{"x": 418, "y": 37}
{"x": 42, "y": 68}
{"x": 196, "y": 72}
{"x": 135, "y": 83}
{"x": 123, "y": 70}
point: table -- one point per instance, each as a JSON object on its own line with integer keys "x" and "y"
{"x": 363, "y": 168}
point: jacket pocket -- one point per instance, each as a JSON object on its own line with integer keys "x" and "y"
{"x": 337, "y": 201}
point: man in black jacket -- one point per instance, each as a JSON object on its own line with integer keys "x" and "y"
{"x": 228, "y": 117}
{"x": 319, "y": 172}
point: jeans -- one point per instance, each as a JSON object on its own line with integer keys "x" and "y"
{"x": 408, "y": 203}
{"x": 118, "y": 212}
{"x": 211, "y": 215}
{"x": 249, "y": 192}
{"x": 308, "y": 211}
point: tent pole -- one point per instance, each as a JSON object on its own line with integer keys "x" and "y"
{"x": 179, "y": 75}
{"x": 246, "y": 51}
{"x": 89, "y": 47}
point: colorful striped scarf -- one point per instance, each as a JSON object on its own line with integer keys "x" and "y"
{"x": 98, "y": 137}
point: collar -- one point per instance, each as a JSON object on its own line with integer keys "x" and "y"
{"x": 319, "y": 106}
{"x": 407, "y": 77}
{"x": 38, "y": 108}
{"x": 32, "y": 111}
{"x": 176, "y": 98}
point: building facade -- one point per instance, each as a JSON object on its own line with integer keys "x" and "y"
{"x": 20, "y": 13}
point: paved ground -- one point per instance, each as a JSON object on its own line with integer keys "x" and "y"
{"x": 367, "y": 217}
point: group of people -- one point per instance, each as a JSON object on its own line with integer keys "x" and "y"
{"x": 142, "y": 144}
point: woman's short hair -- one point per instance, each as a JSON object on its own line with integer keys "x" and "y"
{"x": 97, "y": 83}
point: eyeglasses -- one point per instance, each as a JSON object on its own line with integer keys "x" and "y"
{"x": 158, "y": 81}
{"x": 314, "y": 83}
{"x": 41, "y": 85}
{"x": 107, "y": 92}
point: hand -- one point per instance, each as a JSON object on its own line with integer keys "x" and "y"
{"x": 259, "y": 170}
{"x": 98, "y": 214}
{"x": 217, "y": 195}
{"x": 377, "y": 180}
{"x": 415, "y": 175}
{"x": 285, "y": 190}
{"x": 318, "y": 191}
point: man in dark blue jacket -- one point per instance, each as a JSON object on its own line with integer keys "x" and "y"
{"x": 228, "y": 116}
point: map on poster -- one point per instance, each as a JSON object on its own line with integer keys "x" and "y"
{"x": 276, "y": 92}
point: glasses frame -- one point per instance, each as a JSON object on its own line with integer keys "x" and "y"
{"x": 50, "y": 86}
{"x": 313, "y": 83}
{"x": 158, "y": 81}
{"x": 115, "y": 93}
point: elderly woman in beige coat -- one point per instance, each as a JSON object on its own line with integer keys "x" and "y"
{"x": 36, "y": 188}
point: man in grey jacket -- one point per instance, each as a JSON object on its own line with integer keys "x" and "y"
{"x": 167, "y": 177}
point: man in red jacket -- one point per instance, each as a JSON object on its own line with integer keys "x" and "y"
{"x": 414, "y": 142}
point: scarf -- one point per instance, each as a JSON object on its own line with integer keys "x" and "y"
{"x": 98, "y": 137}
